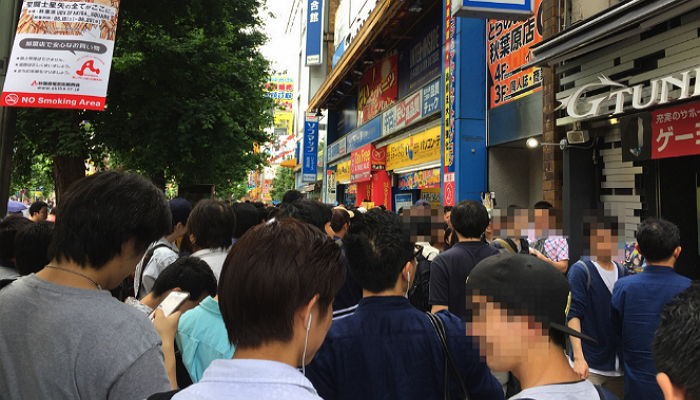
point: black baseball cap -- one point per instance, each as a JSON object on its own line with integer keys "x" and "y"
{"x": 524, "y": 285}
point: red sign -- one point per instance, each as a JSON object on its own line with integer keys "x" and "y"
{"x": 675, "y": 131}
{"x": 379, "y": 89}
{"x": 365, "y": 160}
{"x": 508, "y": 49}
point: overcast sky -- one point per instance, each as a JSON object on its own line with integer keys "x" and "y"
{"x": 281, "y": 49}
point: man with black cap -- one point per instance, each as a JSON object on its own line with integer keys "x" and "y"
{"x": 519, "y": 304}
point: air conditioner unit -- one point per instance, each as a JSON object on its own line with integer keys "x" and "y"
{"x": 577, "y": 137}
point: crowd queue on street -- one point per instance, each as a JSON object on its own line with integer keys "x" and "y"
{"x": 130, "y": 296}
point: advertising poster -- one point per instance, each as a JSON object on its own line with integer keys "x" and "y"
{"x": 342, "y": 173}
{"x": 414, "y": 150}
{"x": 507, "y": 50}
{"x": 62, "y": 55}
{"x": 675, "y": 131}
{"x": 426, "y": 179}
{"x": 379, "y": 88}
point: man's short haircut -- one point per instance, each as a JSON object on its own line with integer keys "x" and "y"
{"x": 8, "y": 230}
{"x": 290, "y": 196}
{"x": 339, "y": 219}
{"x": 596, "y": 222}
{"x": 470, "y": 219}
{"x": 378, "y": 249}
{"x": 180, "y": 210}
{"x": 247, "y": 216}
{"x": 32, "y": 247}
{"x": 270, "y": 273}
{"x": 101, "y": 212}
{"x": 676, "y": 345}
{"x": 36, "y": 207}
{"x": 212, "y": 223}
{"x": 446, "y": 209}
{"x": 657, "y": 239}
{"x": 310, "y": 211}
{"x": 543, "y": 205}
{"x": 190, "y": 274}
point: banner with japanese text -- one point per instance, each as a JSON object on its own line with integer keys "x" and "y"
{"x": 508, "y": 46}
{"x": 314, "y": 32}
{"x": 365, "y": 160}
{"x": 342, "y": 173}
{"x": 675, "y": 131}
{"x": 414, "y": 150}
{"x": 310, "y": 165}
{"x": 62, "y": 55}
{"x": 379, "y": 88}
{"x": 429, "y": 178}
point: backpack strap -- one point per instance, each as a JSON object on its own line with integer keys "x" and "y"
{"x": 6, "y": 282}
{"x": 450, "y": 366}
{"x": 144, "y": 263}
{"x": 588, "y": 266}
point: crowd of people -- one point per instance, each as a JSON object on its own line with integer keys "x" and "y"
{"x": 131, "y": 296}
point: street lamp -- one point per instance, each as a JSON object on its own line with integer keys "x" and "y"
{"x": 533, "y": 143}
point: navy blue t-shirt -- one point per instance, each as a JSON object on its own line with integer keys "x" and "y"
{"x": 449, "y": 272}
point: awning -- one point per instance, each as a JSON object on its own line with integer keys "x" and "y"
{"x": 372, "y": 28}
{"x": 610, "y": 26}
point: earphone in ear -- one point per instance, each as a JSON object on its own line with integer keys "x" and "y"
{"x": 306, "y": 344}
{"x": 308, "y": 323}
{"x": 408, "y": 287}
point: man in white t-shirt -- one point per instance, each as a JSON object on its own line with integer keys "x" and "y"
{"x": 518, "y": 305}
{"x": 592, "y": 280}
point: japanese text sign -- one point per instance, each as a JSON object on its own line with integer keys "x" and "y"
{"x": 365, "y": 160}
{"x": 62, "y": 55}
{"x": 431, "y": 99}
{"x": 314, "y": 32}
{"x": 365, "y": 134}
{"x": 676, "y": 131}
{"x": 429, "y": 178}
{"x": 508, "y": 49}
{"x": 414, "y": 150}
{"x": 342, "y": 174}
{"x": 310, "y": 149}
{"x": 379, "y": 88}
{"x": 402, "y": 114}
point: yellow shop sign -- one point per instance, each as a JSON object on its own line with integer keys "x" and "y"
{"x": 415, "y": 150}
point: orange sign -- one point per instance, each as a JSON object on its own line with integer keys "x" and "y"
{"x": 507, "y": 50}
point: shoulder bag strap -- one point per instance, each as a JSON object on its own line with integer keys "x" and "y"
{"x": 450, "y": 366}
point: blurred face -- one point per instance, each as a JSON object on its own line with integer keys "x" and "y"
{"x": 520, "y": 223}
{"x": 541, "y": 219}
{"x": 447, "y": 218}
{"x": 503, "y": 340}
{"x": 603, "y": 243}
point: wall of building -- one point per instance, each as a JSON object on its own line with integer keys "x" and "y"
{"x": 515, "y": 175}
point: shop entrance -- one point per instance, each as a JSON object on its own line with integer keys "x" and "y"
{"x": 679, "y": 202}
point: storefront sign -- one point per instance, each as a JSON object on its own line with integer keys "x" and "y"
{"x": 578, "y": 105}
{"x": 431, "y": 98}
{"x": 367, "y": 133}
{"x": 365, "y": 160}
{"x": 378, "y": 89}
{"x": 429, "y": 178}
{"x": 314, "y": 32}
{"x": 506, "y": 9}
{"x": 403, "y": 200}
{"x": 450, "y": 189}
{"x": 403, "y": 114}
{"x": 432, "y": 196}
{"x": 449, "y": 90}
{"x": 423, "y": 59}
{"x": 414, "y": 150}
{"x": 337, "y": 149}
{"x": 352, "y": 189}
{"x": 508, "y": 49}
{"x": 310, "y": 148}
{"x": 330, "y": 181}
{"x": 342, "y": 173}
{"x": 62, "y": 55}
{"x": 676, "y": 131}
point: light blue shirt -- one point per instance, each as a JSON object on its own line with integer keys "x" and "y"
{"x": 250, "y": 379}
{"x": 202, "y": 338}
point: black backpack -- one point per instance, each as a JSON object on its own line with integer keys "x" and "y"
{"x": 418, "y": 294}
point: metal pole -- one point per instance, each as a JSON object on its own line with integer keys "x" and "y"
{"x": 9, "y": 14}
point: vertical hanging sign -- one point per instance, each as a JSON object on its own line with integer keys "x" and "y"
{"x": 310, "y": 149}
{"x": 314, "y": 32}
{"x": 62, "y": 55}
{"x": 448, "y": 110}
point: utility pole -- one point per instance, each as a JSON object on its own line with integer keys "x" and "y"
{"x": 9, "y": 14}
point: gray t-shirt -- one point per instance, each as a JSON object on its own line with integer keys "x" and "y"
{"x": 582, "y": 390}
{"x": 60, "y": 342}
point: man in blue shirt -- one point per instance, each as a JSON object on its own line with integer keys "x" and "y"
{"x": 637, "y": 302}
{"x": 388, "y": 349}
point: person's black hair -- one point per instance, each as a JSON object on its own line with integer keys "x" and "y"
{"x": 8, "y": 230}
{"x": 36, "y": 207}
{"x": 180, "y": 210}
{"x": 190, "y": 274}
{"x": 101, "y": 212}
{"x": 310, "y": 211}
{"x": 446, "y": 209}
{"x": 273, "y": 271}
{"x": 32, "y": 247}
{"x": 676, "y": 345}
{"x": 247, "y": 216}
{"x": 543, "y": 205}
{"x": 470, "y": 219}
{"x": 212, "y": 224}
{"x": 597, "y": 222}
{"x": 339, "y": 219}
{"x": 378, "y": 249}
{"x": 291, "y": 196}
{"x": 657, "y": 239}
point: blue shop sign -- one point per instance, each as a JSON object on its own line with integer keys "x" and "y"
{"x": 310, "y": 165}
{"x": 337, "y": 149}
{"x": 495, "y": 9}
{"x": 431, "y": 98}
{"x": 367, "y": 133}
{"x": 314, "y": 32}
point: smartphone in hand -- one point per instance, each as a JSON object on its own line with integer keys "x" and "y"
{"x": 171, "y": 303}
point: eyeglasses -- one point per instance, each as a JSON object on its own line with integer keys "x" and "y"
{"x": 417, "y": 250}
